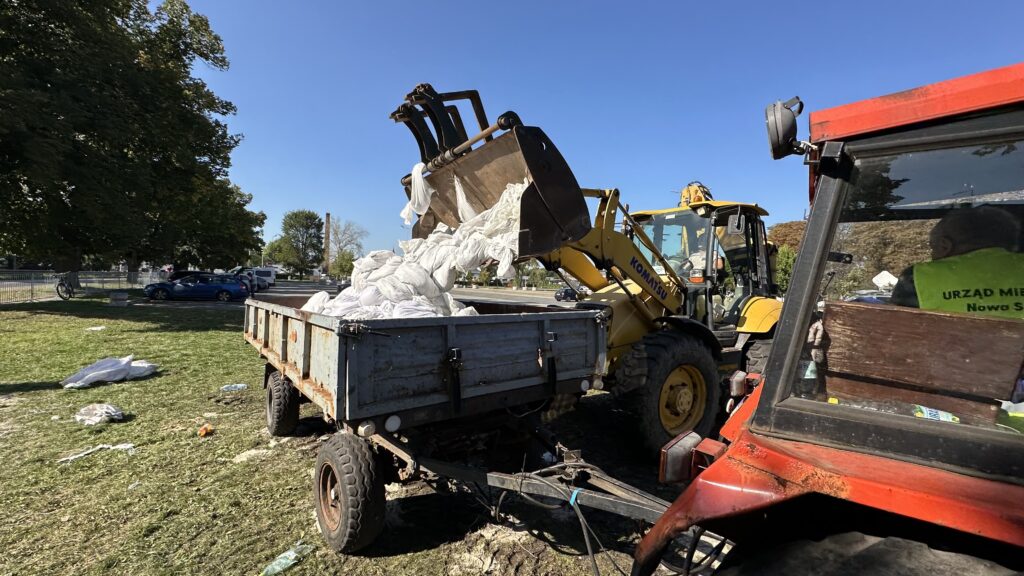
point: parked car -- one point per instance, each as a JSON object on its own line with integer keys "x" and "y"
{"x": 254, "y": 285}
{"x": 567, "y": 294}
{"x": 179, "y": 274}
{"x": 223, "y": 287}
{"x": 268, "y": 274}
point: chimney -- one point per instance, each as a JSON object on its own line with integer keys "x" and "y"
{"x": 326, "y": 269}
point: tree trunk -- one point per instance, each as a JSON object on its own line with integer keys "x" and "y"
{"x": 132, "y": 264}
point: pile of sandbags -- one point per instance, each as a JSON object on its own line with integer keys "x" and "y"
{"x": 417, "y": 284}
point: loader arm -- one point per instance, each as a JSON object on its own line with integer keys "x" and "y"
{"x": 608, "y": 249}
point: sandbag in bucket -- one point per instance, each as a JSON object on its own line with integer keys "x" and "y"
{"x": 553, "y": 210}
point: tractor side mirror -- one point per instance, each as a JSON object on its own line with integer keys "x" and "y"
{"x": 780, "y": 119}
{"x": 736, "y": 225}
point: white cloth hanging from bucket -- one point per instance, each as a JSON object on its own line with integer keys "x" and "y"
{"x": 420, "y": 193}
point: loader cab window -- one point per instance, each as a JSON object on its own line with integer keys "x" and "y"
{"x": 917, "y": 321}
{"x": 680, "y": 236}
{"x": 743, "y": 270}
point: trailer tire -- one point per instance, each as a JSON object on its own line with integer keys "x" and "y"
{"x": 676, "y": 383}
{"x": 348, "y": 493}
{"x": 851, "y": 553}
{"x": 282, "y": 405}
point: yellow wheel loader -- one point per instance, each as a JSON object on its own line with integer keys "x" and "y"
{"x": 687, "y": 292}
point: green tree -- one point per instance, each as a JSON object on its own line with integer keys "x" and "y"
{"x": 276, "y": 251}
{"x": 346, "y": 245}
{"x": 302, "y": 232}
{"x": 341, "y": 266}
{"x": 784, "y": 267}
{"x": 110, "y": 150}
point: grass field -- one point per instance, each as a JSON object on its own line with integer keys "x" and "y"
{"x": 225, "y": 504}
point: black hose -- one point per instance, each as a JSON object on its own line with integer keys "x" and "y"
{"x": 692, "y": 549}
{"x": 586, "y": 539}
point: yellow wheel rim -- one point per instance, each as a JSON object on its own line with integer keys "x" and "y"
{"x": 682, "y": 399}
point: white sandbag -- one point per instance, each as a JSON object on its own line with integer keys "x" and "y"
{"x": 362, "y": 267}
{"x": 105, "y": 370}
{"x": 420, "y": 193}
{"x": 467, "y": 311}
{"x": 141, "y": 369}
{"x": 316, "y": 303}
{"x": 417, "y": 307}
{"x": 109, "y": 370}
{"x": 370, "y": 296}
{"x": 417, "y": 284}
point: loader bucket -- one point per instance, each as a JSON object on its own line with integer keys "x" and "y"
{"x": 553, "y": 210}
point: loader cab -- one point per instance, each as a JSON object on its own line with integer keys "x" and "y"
{"x": 934, "y": 375}
{"x": 740, "y": 265}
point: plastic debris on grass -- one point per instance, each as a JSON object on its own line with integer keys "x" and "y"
{"x": 418, "y": 283}
{"x": 94, "y": 414}
{"x": 95, "y": 328}
{"x": 109, "y": 370}
{"x": 287, "y": 559}
{"x": 205, "y": 430}
{"x": 233, "y": 387}
{"x": 126, "y": 447}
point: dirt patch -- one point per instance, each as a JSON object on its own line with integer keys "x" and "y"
{"x": 254, "y": 454}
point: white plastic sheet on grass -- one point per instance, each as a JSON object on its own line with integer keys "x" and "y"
{"x": 109, "y": 370}
{"x": 417, "y": 283}
{"x": 94, "y": 414}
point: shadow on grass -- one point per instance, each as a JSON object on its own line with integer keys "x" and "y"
{"x": 28, "y": 387}
{"x": 166, "y": 318}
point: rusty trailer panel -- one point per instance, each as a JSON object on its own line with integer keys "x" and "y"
{"x": 427, "y": 370}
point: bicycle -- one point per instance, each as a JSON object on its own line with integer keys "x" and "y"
{"x": 64, "y": 288}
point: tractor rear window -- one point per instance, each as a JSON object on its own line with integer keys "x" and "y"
{"x": 921, "y": 306}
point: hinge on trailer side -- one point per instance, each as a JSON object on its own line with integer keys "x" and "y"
{"x": 454, "y": 361}
{"x": 550, "y": 338}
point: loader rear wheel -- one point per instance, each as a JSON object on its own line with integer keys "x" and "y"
{"x": 756, "y": 356}
{"x": 853, "y": 553}
{"x": 348, "y": 493}
{"x": 677, "y": 386}
{"x": 282, "y": 405}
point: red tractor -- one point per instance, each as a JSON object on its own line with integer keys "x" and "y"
{"x": 886, "y": 434}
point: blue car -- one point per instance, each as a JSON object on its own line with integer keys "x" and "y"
{"x": 223, "y": 287}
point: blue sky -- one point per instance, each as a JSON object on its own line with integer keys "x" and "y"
{"x": 640, "y": 96}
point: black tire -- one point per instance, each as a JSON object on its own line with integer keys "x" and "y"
{"x": 348, "y": 493}
{"x": 224, "y": 296}
{"x": 646, "y": 369}
{"x": 161, "y": 294}
{"x": 64, "y": 291}
{"x": 282, "y": 405}
{"x": 853, "y": 553}
{"x": 756, "y": 357}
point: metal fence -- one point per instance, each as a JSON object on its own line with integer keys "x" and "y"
{"x": 39, "y": 285}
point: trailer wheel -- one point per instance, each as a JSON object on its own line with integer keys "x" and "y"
{"x": 282, "y": 405}
{"x": 677, "y": 386}
{"x": 852, "y": 553}
{"x": 348, "y": 493}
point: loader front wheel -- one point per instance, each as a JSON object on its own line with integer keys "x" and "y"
{"x": 677, "y": 386}
{"x": 348, "y": 493}
{"x": 282, "y": 405}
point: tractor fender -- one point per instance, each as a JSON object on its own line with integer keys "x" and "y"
{"x": 695, "y": 329}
